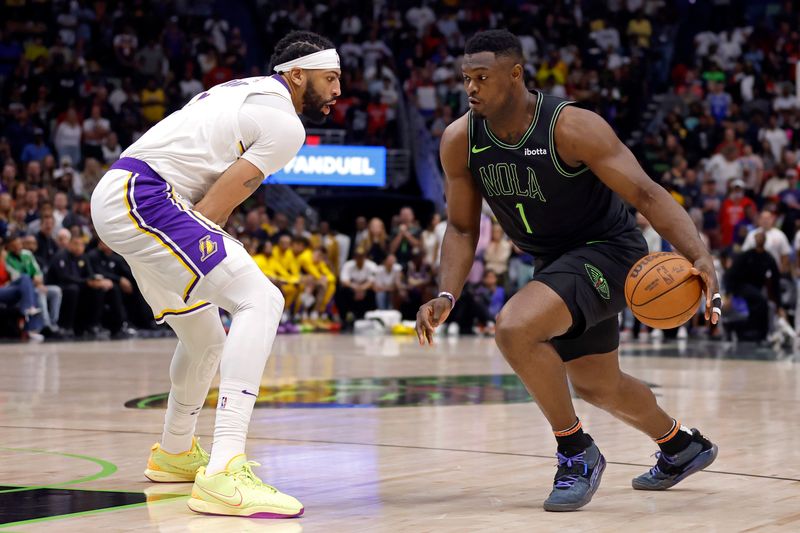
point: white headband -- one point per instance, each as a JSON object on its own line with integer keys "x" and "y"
{"x": 324, "y": 59}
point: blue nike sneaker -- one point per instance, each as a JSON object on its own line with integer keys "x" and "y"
{"x": 672, "y": 469}
{"x": 576, "y": 481}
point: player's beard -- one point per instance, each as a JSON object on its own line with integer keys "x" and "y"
{"x": 313, "y": 104}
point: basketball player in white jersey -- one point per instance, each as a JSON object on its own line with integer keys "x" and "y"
{"x": 161, "y": 206}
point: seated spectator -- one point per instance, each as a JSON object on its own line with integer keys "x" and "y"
{"x": 67, "y": 178}
{"x": 17, "y": 290}
{"x": 419, "y": 285}
{"x": 356, "y": 293}
{"x": 750, "y": 274}
{"x": 83, "y": 290}
{"x": 497, "y": 254}
{"x": 272, "y": 267}
{"x": 776, "y": 241}
{"x": 733, "y": 211}
{"x": 478, "y": 306}
{"x": 48, "y": 297}
{"x": 376, "y": 242}
{"x": 67, "y": 138}
{"x": 124, "y": 302}
{"x": 406, "y": 237}
{"x": 111, "y": 148}
{"x": 388, "y": 283}
{"x": 430, "y": 241}
{"x": 319, "y": 283}
{"x": 37, "y": 150}
{"x": 95, "y": 130}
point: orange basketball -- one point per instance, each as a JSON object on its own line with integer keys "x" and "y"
{"x": 661, "y": 290}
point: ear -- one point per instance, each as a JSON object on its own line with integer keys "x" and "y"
{"x": 298, "y": 77}
{"x": 517, "y": 72}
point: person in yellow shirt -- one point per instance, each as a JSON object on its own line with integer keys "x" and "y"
{"x": 277, "y": 273}
{"x": 640, "y": 30}
{"x": 284, "y": 255}
{"x": 320, "y": 281}
{"x": 153, "y": 101}
{"x": 326, "y": 238}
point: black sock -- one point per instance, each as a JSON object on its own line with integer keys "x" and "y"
{"x": 573, "y": 440}
{"x": 675, "y": 440}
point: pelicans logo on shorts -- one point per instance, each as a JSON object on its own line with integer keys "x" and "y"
{"x": 598, "y": 280}
{"x": 207, "y": 248}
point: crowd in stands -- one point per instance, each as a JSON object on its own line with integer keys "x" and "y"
{"x": 80, "y": 83}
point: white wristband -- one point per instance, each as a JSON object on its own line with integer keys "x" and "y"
{"x": 449, "y": 296}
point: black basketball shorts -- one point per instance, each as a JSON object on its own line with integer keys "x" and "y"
{"x": 591, "y": 281}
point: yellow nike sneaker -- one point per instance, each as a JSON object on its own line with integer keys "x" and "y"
{"x": 237, "y": 491}
{"x": 163, "y": 467}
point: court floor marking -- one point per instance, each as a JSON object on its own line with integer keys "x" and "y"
{"x": 83, "y": 513}
{"x": 106, "y": 469}
{"x": 403, "y": 446}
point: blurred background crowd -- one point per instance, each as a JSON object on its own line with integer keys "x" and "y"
{"x": 704, "y": 93}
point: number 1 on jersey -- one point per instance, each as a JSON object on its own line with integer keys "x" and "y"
{"x": 524, "y": 220}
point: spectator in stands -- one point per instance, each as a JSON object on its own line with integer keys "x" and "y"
{"x": 356, "y": 293}
{"x": 750, "y": 274}
{"x": 67, "y": 139}
{"x": 388, "y": 283}
{"x": 497, "y": 254}
{"x": 733, "y": 211}
{"x": 37, "y": 150}
{"x": 154, "y": 101}
{"x": 406, "y": 238}
{"x": 775, "y": 137}
{"x": 67, "y": 178}
{"x": 429, "y": 240}
{"x": 419, "y": 285}
{"x": 123, "y": 301}
{"x": 95, "y": 130}
{"x": 23, "y": 262}
{"x": 775, "y": 241}
{"x": 83, "y": 291}
{"x": 17, "y": 290}
{"x": 376, "y": 242}
{"x": 46, "y": 246}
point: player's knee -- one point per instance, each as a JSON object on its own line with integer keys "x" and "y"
{"x": 512, "y": 333}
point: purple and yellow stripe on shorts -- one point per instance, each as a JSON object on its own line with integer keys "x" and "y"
{"x": 156, "y": 211}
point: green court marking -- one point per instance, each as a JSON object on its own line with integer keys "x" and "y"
{"x": 106, "y": 469}
{"x": 145, "y": 403}
{"x": 82, "y": 513}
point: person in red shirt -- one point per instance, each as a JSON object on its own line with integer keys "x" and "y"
{"x": 733, "y": 211}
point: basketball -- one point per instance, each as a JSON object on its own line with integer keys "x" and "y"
{"x": 661, "y": 290}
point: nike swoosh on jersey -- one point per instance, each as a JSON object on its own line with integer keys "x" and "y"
{"x": 476, "y": 150}
{"x": 224, "y": 498}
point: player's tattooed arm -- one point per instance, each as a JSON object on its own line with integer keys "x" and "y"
{"x": 253, "y": 183}
{"x": 231, "y": 189}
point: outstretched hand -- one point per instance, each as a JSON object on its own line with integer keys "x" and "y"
{"x": 429, "y": 317}
{"x": 704, "y": 267}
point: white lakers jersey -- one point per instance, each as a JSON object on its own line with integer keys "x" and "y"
{"x": 193, "y": 146}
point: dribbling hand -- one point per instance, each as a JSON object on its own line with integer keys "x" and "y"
{"x": 429, "y": 317}
{"x": 704, "y": 267}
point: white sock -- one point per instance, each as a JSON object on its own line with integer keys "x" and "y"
{"x": 193, "y": 366}
{"x": 179, "y": 424}
{"x": 256, "y": 306}
{"x": 234, "y": 408}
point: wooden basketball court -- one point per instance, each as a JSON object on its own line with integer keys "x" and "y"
{"x": 375, "y": 434}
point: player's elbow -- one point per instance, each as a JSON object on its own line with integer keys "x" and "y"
{"x": 646, "y": 197}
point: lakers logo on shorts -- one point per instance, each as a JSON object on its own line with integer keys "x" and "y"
{"x": 598, "y": 280}
{"x": 207, "y": 247}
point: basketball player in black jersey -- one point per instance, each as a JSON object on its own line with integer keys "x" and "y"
{"x": 555, "y": 177}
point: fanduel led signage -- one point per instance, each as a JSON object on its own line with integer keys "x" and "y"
{"x": 362, "y": 166}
